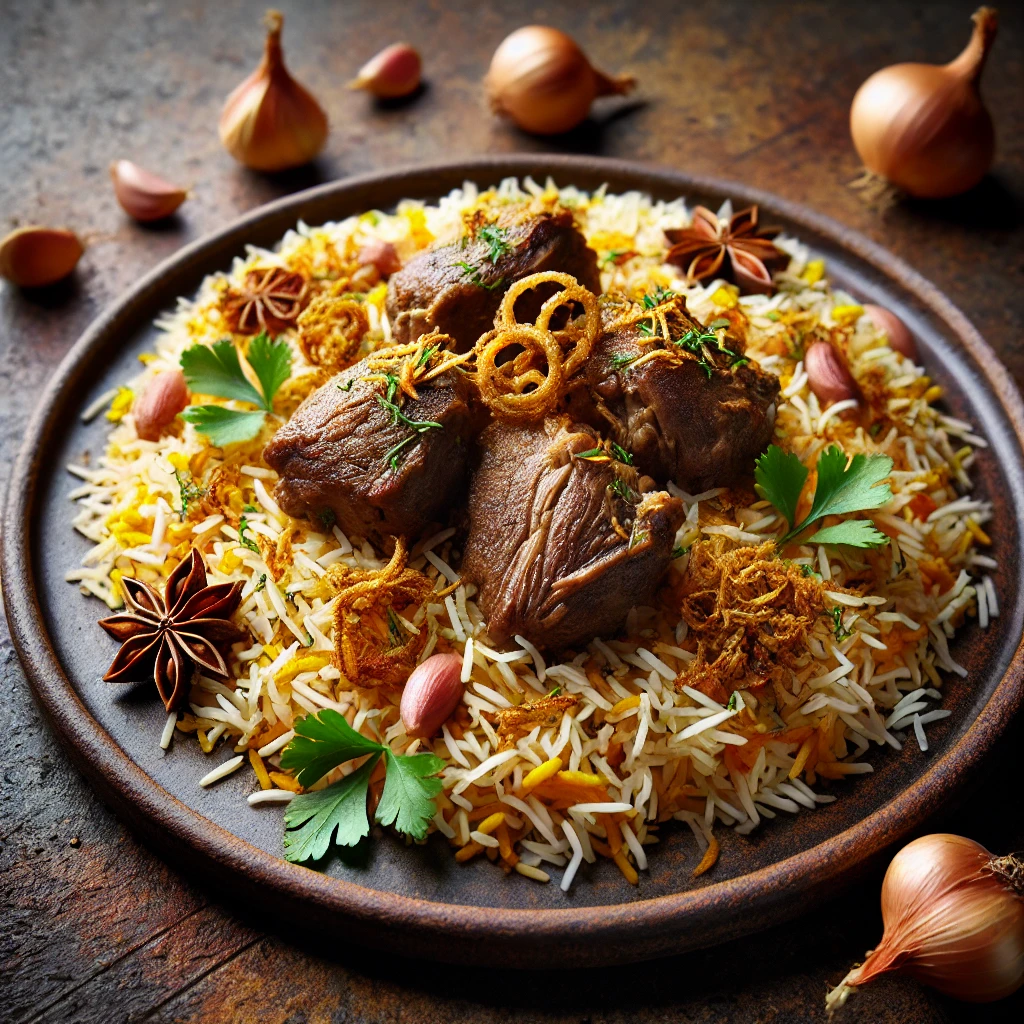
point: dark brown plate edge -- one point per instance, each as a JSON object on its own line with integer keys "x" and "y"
{"x": 521, "y": 938}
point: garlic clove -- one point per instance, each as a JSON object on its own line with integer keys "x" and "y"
{"x": 270, "y": 122}
{"x": 828, "y": 375}
{"x": 142, "y": 194}
{"x": 34, "y": 256}
{"x": 163, "y": 397}
{"x": 393, "y": 73}
{"x": 894, "y": 329}
{"x": 380, "y": 254}
{"x": 431, "y": 694}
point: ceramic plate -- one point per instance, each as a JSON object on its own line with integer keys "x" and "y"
{"x": 419, "y": 899}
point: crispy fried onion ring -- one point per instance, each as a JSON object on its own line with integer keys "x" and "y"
{"x": 578, "y": 335}
{"x": 331, "y": 330}
{"x": 518, "y": 389}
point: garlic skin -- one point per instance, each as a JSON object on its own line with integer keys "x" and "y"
{"x": 954, "y": 919}
{"x": 431, "y": 694}
{"x": 142, "y": 194}
{"x": 394, "y": 72}
{"x": 923, "y": 127}
{"x": 375, "y": 252}
{"x": 270, "y": 122}
{"x": 900, "y": 338}
{"x": 543, "y": 81}
{"x": 827, "y": 374}
{"x": 31, "y": 257}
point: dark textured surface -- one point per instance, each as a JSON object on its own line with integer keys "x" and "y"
{"x": 102, "y": 931}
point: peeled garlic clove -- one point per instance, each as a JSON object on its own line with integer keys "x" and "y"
{"x": 431, "y": 694}
{"x": 164, "y": 396}
{"x": 35, "y": 256}
{"x": 270, "y": 122}
{"x": 142, "y": 194}
{"x": 894, "y": 329}
{"x": 394, "y": 72}
{"x": 827, "y": 374}
{"x": 380, "y": 254}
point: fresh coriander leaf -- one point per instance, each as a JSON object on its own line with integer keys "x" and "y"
{"x": 311, "y": 819}
{"x": 261, "y": 584}
{"x": 249, "y": 508}
{"x": 736, "y": 702}
{"x": 857, "y": 533}
{"x": 410, "y": 787}
{"x": 271, "y": 361}
{"x": 811, "y": 573}
{"x": 223, "y": 426}
{"x": 852, "y": 488}
{"x": 678, "y": 552}
{"x": 247, "y": 542}
{"x": 780, "y": 477}
{"x": 322, "y": 742}
{"x": 215, "y": 370}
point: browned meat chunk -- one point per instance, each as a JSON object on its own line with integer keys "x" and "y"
{"x": 458, "y": 288}
{"x": 562, "y": 547}
{"x": 690, "y": 409}
{"x": 345, "y": 456}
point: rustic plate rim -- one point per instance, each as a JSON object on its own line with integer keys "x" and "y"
{"x": 418, "y": 923}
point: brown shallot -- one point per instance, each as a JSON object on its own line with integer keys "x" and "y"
{"x": 954, "y": 919}
{"x": 923, "y": 127}
{"x": 894, "y": 329}
{"x": 542, "y": 80}
{"x": 828, "y": 375}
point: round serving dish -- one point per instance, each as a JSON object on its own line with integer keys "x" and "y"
{"x": 418, "y": 899}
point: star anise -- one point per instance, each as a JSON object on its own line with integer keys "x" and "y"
{"x": 167, "y": 637}
{"x": 738, "y": 250}
{"x": 270, "y": 300}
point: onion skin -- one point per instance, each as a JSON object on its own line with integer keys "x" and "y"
{"x": 543, "y": 81}
{"x": 923, "y": 127}
{"x": 900, "y": 338}
{"x": 954, "y": 920}
{"x": 270, "y": 122}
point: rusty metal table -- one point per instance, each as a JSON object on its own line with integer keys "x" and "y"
{"x": 93, "y": 926}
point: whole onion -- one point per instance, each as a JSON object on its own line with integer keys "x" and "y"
{"x": 923, "y": 127}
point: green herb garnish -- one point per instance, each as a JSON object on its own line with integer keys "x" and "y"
{"x": 679, "y": 551}
{"x": 621, "y": 454}
{"x": 624, "y": 491}
{"x": 843, "y": 487}
{"x": 736, "y": 702}
{"x": 472, "y": 275}
{"x": 497, "y": 239}
{"x": 398, "y": 417}
{"x": 837, "y": 625}
{"x": 243, "y": 526}
{"x": 322, "y": 742}
{"x": 619, "y": 362}
{"x": 555, "y": 692}
{"x": 216, "y": 370}
{"x": 188, "y": 491}
{"x": 347, "y": 386}
{"x": 261, "y": 583}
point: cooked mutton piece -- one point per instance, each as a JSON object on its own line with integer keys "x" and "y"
{"x": 347, "y": 456}
{"x": 457, "y": 288}
{"x": 689, "y": 407}
{"x": 561, "y": 546}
